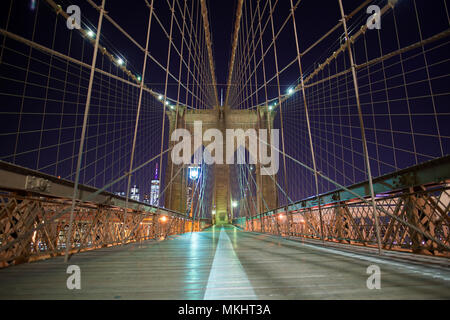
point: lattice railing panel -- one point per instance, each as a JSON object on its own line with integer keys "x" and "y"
{"x": 352, "y": 222}
{"x": 33, "y": 227}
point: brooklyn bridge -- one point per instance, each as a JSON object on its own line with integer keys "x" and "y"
{"x": 117, "y": 179}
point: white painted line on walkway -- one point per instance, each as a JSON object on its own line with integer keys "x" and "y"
{"x": 227, "y": 278}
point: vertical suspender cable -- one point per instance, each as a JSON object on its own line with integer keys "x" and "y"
{"x": 269, "y": 121}
{"x": 138, "y": 113}
{"x": 361, "y": 122}
{"x": 83, "y": 131}
{"x": 289, "y": 218}
{"x": 237, "y": 26}
{"x": 165, "y": 94}
{"x": 307, "y": 120}
{"x": 178, "y": 95}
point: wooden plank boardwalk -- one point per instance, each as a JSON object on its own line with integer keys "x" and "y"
{"x": 223, "y": 263}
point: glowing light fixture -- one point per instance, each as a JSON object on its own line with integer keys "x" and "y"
{"x": 194, "y": 172}
{"x": 91, "y": 34}
{"x": 160, "y": 97}
{"x": 163, "y": 219}
{"x": 290, "y": 91}
{"x": 234, "y": 204}
{"x": 139, "y": 78}
{"x": 119, "y": 61}
{"x": 214, "y": 212}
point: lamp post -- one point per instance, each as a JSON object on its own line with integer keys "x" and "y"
{"x": 234, "y": 204}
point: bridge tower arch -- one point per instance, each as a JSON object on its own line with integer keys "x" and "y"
{"x": 221, "y": 118}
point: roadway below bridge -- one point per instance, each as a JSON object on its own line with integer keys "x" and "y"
{"x": 224, "y": 263}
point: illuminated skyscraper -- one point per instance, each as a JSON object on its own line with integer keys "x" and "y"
{"x": 154, "y": 189}
{"x": 134, "y": 194}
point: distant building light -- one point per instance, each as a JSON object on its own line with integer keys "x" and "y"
{"x": 134, "y": 193}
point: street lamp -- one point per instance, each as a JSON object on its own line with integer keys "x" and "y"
{"x": 194, "y": 172}
{"x": 91, "y": 34}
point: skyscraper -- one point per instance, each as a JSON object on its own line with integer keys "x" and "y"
{"x": 154, "y": 189}
{"x": 134, "y": 194}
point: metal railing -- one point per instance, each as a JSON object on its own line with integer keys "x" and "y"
{"x": 34, "y": 219}
{"x": 413, "y": 210}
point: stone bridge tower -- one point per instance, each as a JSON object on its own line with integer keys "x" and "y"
{"x": 220, "y": 118}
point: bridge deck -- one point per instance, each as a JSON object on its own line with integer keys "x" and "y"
{"x": 223, "y": 263}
